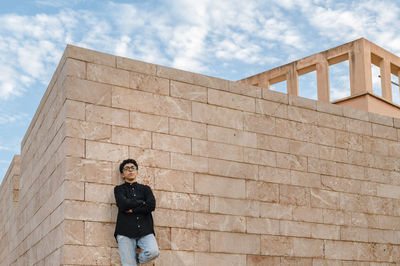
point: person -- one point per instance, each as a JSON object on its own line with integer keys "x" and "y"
{"x": 134, "y": 229}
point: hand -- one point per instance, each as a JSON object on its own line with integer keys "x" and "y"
{"x": 129, "y": 211}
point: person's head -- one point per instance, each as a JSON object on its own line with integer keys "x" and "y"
{"x": 129, "y": 169}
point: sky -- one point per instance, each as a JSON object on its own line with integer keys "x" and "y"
{"x": 227, "y": 39}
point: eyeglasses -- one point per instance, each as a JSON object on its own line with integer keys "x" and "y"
{"x": 129, "y": 168}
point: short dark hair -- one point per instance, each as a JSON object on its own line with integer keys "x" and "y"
{"x": 121, "y": 166}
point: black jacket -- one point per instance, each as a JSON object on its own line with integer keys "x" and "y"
{"x": 140, "y": 199}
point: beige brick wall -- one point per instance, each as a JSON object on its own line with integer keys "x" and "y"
{"x": 242, "y": 176}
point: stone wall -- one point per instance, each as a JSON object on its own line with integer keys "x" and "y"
{"x": 241, "y": 175}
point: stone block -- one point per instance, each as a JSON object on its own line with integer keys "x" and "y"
{"x": 276, "y": 245}
{"x": 323, "y": 136}
{"x": 324, "y": 231}
{"x": 303, "y": 148}
{"x": 131, "y": 137}
{"x": 261, "y": 157}
{"x": 274, "y": 175}
{"x": 275, "y": 96}
{"x": 178, "y": 258}
{"x": 259, "y": 123}
{"x": 74, "y": 232}
{"x": 244, "y": 89}
{"x": 218, "y": 222}
{"x": 73, "y": 68}
{"x": 234, "y": 206}
{"x": 293, "y": 195}
{"x": 99, "y": 193}
{"x": 232, "y": 169}
{"x": 88, "y": 170}
{"x": 189, "y": 163}
{"x": 192, "y": 240}
{"x": 135, "y": 66}
{"x": 307, "y": 214}
{"x": 163, "y": 236}
{"x": 90, "y": 56}
{"x": 108, "y": 75}
{"x": 145, "y": 102}
{"x": 262, "y": 191}
{"x": 88, "y": 91}
{"x": 305, "y": 179}
{"x": 234, "y": 243}
{"x": 211, "y": 82}
{"x": 332, "y": 121}
{"x": 347, "y": 140}
{"x": 217, "y": 150}
{"x": 359, "y": 127}
{"x": 171, "y": 143}
{"x": 173, "y": 218}
{"x": 302, "y": 102}
{"x": 336, "y": 217}
{"x": 187, "y": 128}
{"x": 271, "y": 108}
{"x": 88, "y": 211}
{"x": 107, "y": 115}
{"x": 231, "y": 136}
{"x": 87, "y": 130}
{"x": 74, "y": 190}
{"x": 262, "y": 226}
{"x": 324, "y": 199}
{"x": 384, "y": 132}
{"x": 381, "y": 119}
{"x": 188, "y": 91}
{"x": 150, "y": 158}
{"x": 302, "y": 115}
{"x": 343, "y": 250}
{"x": 100, "y": 234}
{"x": 353, "y": 202}
{"x": 341, "y": 184}
{"x": 329, "y": 108}
{"x": 175, "y": 74}
{"x": 148, "y": 83}
{"x": 74, "y": 147}
{"x": 355, "y": 113}
{"x": 290, "y": 161}
{"x": 388, "y": 191}
{"x": 182, "y": 201}
{"x": 148, "y": 122}
{"x": 298, "y": 229}
{"x": 231, "y": 100}
{"x": 85, "y": 255}
{"x": 303, "y": 247}
{"x": 354, "y": 234}
{"x": 220, "y": 259}
{"x": 74, "y": 109}
{"x": 172, "y": 180}
{"x": 266, "y": 142}
{"x": 276, "y": 211}
{"x": 218, "y": 116}
{"x": 106, "y": 151}
{"x": 254, "y": 260}
{"x": 211, "y": 185}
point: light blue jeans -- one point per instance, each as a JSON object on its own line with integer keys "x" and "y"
{"x": 127, "y": 249}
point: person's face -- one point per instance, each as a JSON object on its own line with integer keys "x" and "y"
{"x": 129, "y": 173}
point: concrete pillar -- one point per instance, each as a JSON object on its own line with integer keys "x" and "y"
{"x": 323, "y": 80}
{"x": 360, "y": 67}
{"x": 292, "y": 81}
{"x": 386, "y": 83}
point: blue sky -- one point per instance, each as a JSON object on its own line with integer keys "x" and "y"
{"x": 227, "y": 39}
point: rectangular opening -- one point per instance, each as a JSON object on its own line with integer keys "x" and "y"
{"x": 308, "y": 83}
{"x": 395, "y": 89}
{"x": 376, "y": 80}
{"x": 279, "y": 86}
{"x": 339, "y": 78}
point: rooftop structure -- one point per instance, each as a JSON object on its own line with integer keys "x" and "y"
{"x": 361, "y": 54}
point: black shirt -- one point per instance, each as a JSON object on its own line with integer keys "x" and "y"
{"x": 140, "y": 199}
